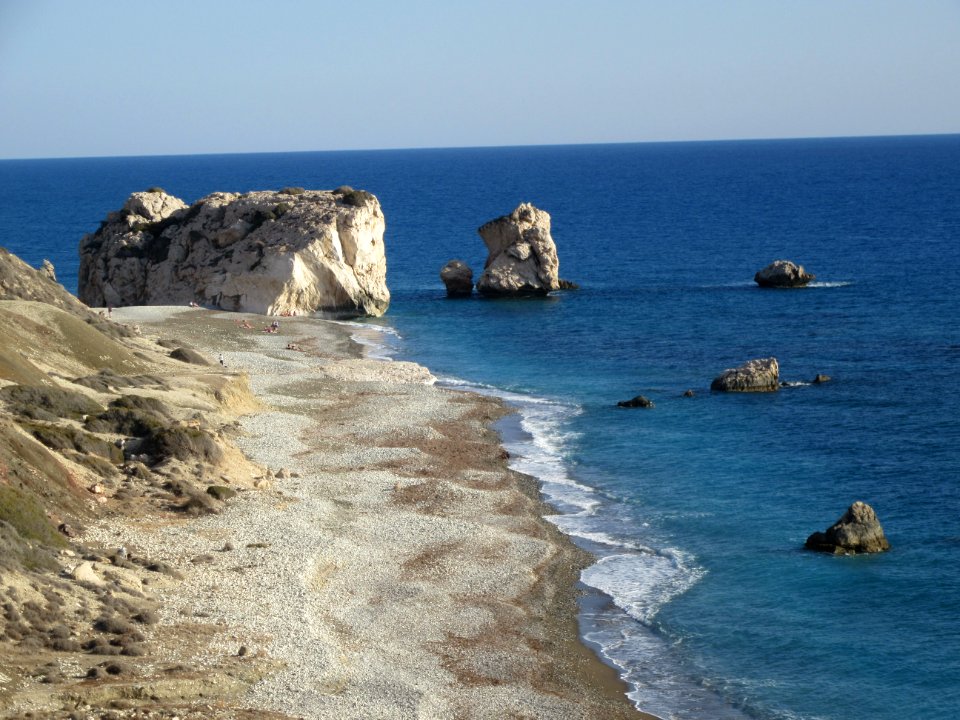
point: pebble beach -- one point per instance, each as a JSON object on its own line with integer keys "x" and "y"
{"x": 393, "y": 566}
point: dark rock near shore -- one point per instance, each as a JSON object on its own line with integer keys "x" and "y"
{"x": 858, "y": 531}
{"x": 820, "y": 379}
{"x": 783, "y": 274}
{"x": 639, "y": 401}
{"x": 458, "y": 278}
{"x": 760, "y": 375}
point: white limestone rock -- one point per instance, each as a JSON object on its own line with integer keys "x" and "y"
{"x": 293, "y": 251}
{"x": 522, "y": 257}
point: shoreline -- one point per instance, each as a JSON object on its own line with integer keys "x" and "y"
{"x": 454, "y": 532}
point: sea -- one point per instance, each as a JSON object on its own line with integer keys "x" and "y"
{"x": 696, "y": 510}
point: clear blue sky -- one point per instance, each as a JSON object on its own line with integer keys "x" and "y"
{"x": 123, "y": 77}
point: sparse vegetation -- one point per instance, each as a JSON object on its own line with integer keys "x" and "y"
{"x": 357, "y": 198}
{"x": 47, "y": 403}
{"x": 107, "y": 380}
{"x": 181, "y": 443}
{"x": 62, "y": 438}
{"x": 26, "y": 515}
{"x": 292, "y": 191}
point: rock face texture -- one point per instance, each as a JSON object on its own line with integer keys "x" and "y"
{"x": 858, "y": 531}
{"x": 782, "y": 274}
{"x": 292, "y": 251}
{"x": 458, "y": 277}
{"x": 760, "y": 375}
{"x": 522, "y": 257}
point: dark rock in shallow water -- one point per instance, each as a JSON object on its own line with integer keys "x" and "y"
{"x": 760, "y": 375}
{"x": 858, "y": 531}
{"x": 820, "y": 379}
{"x": 639, "y": 401}
{"x": 689, "y": 394}
{"x": 783, "y": 274}
{"x": 458, "y": 278}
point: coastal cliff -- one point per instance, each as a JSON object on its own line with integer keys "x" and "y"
{"x": 289, "y": 252}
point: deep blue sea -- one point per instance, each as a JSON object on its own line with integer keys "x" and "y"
{"x": 698, "y": 508}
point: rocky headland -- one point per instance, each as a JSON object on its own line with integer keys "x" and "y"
{"x": 294, "y": 251}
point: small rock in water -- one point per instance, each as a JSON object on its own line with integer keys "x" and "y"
{"x": 639, "y": 401}
{"x": 458, "y": 278}
{"x": 783, "y": 274}
{"x": 760, "y": 375}
{"x": 820, "y": 379}
{"x": 689, "y": 393}
{"x": 858, "y": 531}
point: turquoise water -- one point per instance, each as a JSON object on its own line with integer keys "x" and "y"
{"x": 697, "y": 509}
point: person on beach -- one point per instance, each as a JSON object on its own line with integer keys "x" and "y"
{"x": 222, "y": 361}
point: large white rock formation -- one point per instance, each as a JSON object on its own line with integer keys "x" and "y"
{"x": 292, "y": 251}
{"x": 522, "y": 257}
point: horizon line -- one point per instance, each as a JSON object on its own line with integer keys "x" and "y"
{"x": 480, "y": 147}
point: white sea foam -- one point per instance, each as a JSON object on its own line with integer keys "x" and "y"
{"x": 833, "y": 284}
{"x": 637, "y": 578}
{"x": 379, "y": 341}
{"x": 640, "y": 583}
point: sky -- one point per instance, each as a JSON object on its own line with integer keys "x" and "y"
{"x": 117, "y": 77}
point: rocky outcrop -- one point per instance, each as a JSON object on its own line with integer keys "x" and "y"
{"x": 458, "y": 278}
{"x": 760, "y": 375}
{"x": 783, "y": 274}
{"x": 639, "y": 401}
{"x": 858, "y": 531}
{"x": 19, "y": 281}
{"x": 820, "y": 379}
{"x": 292, "y": 251}
{"x": 522, "y": 257}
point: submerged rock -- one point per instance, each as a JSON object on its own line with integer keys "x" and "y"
{"x": 782, "y": 274}
{"x": 522, "y": 257}
{"x": 639, "y": 401}
{"x": 858, "y": 531}
{"x": 760, "y": 375}
{"x": 293, "y": 251}
{"x": 458, "y": 278}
